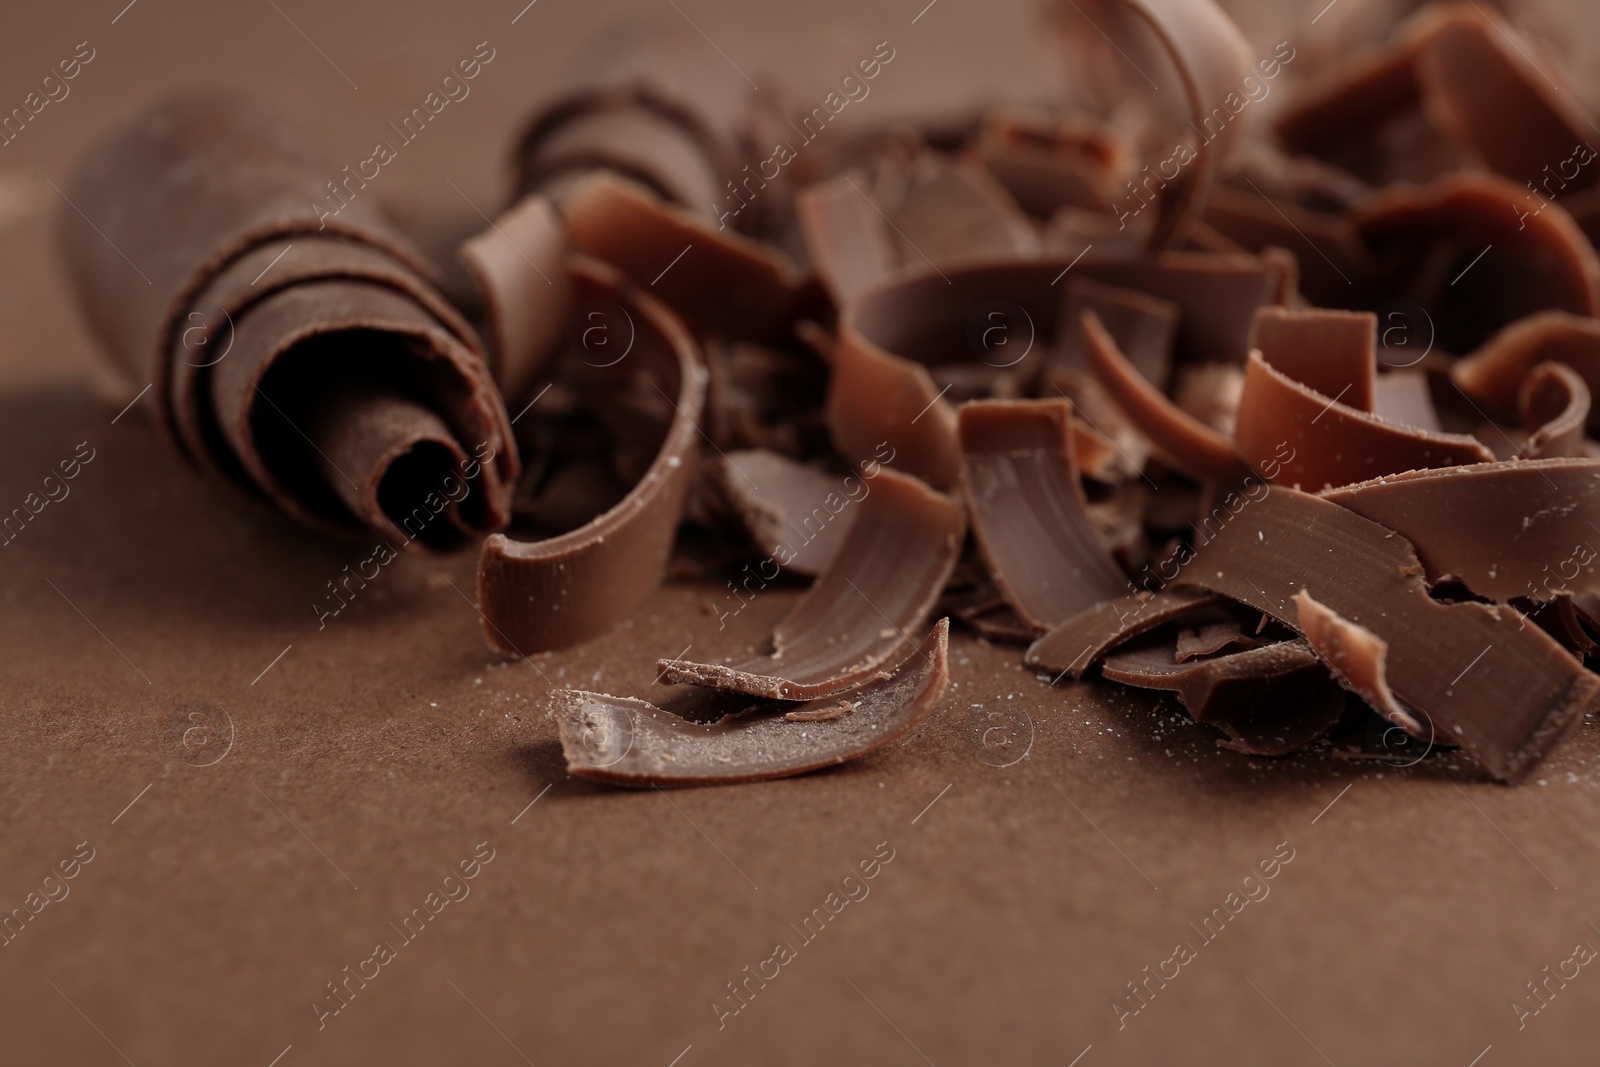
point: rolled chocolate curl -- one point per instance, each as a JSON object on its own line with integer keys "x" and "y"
{"x": 647, "y": 155}
{"x": 295, "y": 344}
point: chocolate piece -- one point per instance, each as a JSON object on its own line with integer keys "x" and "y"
{"x": 553, "y": 593}
{"x": 1554, "y": 405}
{"x": 214, "y": 269}
{"x": 848, "y": 243}
{"x": 1293, "y": 435}
{"x": 1332, "y": 352}
{"x": 883, "y": 582}
{"x": 631, "y": 742}
{"x": 798, "y": 515}
{"x": 1357, "y": 656}
{"x": 1270, "y": 701}
{"x": 718, "y": 279}
{"x": 1493, "y": 375}
{"x": 1143, "y": 327}
{"x": 1075, "y": 646}
{"x": 1212, "y": 61}
{"x": 1184, "y": 441}
{"x": 1505, "y": 530}
{"x": 1526, "y": 692}
{"x": 1209, "y": 638}
{"x": 1467, "y": 250}
{"x": 517, "y": 265}
{"x": 881, "y": 391}
{"x": 1028, "y": 510}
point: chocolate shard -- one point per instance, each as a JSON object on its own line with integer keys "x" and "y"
{"x": 518, "y": 267}
{"x": 798, "y": 515}
{"x": 1144, "y": 327}
{"x": 631, "y": 742}
{"x": 1028, "y": 510}
{"x": 1293, "y": 435}
{"x": 262, "y": 301}
{"x": 1357, "y": 657}
{"x": 1270, "y": 700}
{"x": 1493, "y": 375}
{"x": 1184, "y": 441}
{"x": 548, "y": 594}
{"x": 1525, "y": 691}
{"x": 1076, "y": 645}
{"x": 885, "y": 579}
{"x": 1504, "y": 530}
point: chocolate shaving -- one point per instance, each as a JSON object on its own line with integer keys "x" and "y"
{"x": 1526, "y": 692}
{"x": 798, "y": 515}
{"x": 1028, "y": 510}
{"x": 885, "y": 579}
{"x": 1331, "y": 352}
{"x": 1293, "y": 435}
{"x": 1493, "y": 375}
{"x": 1554, "y": 405}
{"x": 1518, "y": 529}
{"x": 1075, "y": 646}
{"x": 549, "y": 594}
{"x": 631, "y": 742}
{"x": 1184, "y": 441}
{"x": 261, "y": 304}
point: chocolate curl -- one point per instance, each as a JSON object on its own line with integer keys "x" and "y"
{"x": 779, "y": 501}
{"x": 1186, "y": 442}
{"x": 1333, "y": 352}
{"x": 632, "y": 742}
{"x": 1493, "y": 375}
{"x": 214, "y": 269}
{"x": 518, "y": 266}
{"x": 1270, "y": 701}
{"x": 890, "y": 335}
{"x": 652, "y": 104}
{"x": 1074, "y": 647}
{"x": 1554, "y": 404}
{"x": 885, "y": 579}
{"x": 1028, "y": 510}
{"x": 548, "y": 594}
{"x": 1508, "y": 703}
{"x": 1211, "y": 59}
{"x": 1470, "y": 250}
{"x": 1508, "y": 530}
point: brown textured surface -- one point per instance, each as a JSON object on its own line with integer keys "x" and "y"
{"x": 606, "y": 923}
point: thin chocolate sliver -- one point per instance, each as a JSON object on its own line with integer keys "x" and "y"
{"x": 1493, "y": 375}
{"x": 1504, "y": 690}
{"x": 885, "y": 579}
{"x": 1073, "y": 647}
{"x": 632, "y": 742}
{"x": 1554, "y": 403}
{"x": 1029, "y": 513}
{"x": 1186, "y": 442}
{"x": 539, "y": 595}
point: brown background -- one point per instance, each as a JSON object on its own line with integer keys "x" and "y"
{"x": 1016, "y": 907}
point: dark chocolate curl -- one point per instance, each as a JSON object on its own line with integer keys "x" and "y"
{"x": 549, "y": 594}
{"x": 1212, "y": 61}
{"x": 884, "y": 581}
{"x": 216, "y": 262}
{"x": 631, "y": 742}
{"x": 1504, "y": 690}
{"x": 1028, "y": 510}
{"x": 1554, "y": 405}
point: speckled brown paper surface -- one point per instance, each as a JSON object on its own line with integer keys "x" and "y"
{"x": 263, "y": 803}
